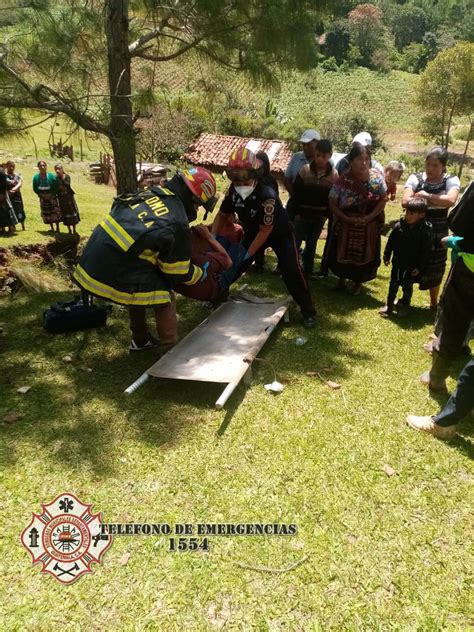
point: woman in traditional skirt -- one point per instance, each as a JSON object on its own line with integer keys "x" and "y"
{"x": 67, "y": 202}
{"x": 7, "y": 214}
{"x": 441, "y": 191}
{"x": 45, "y": 185}
{"x": 356, "y": 203}
{"x": 14, "y": 184}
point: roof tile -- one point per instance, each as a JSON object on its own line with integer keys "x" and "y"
{"x": 213, "y": 151}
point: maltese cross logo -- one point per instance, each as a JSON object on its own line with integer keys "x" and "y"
{"x": 66, "y": 538}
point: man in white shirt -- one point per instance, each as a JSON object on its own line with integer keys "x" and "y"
{"x": 308, "y": 142}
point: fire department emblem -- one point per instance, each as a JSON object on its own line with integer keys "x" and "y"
{"x": 66, "y": 538}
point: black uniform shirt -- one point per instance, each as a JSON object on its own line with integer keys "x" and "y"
{"x": 262, "y": 208}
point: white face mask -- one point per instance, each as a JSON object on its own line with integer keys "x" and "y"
{"x": 244, "y": 192}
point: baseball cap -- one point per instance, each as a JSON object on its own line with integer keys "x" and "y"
{"x": 309, "y": 135}
{"x": 364, "y": 138}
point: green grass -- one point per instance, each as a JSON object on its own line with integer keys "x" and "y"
{"x": 33, "y": 143}
{"x": 386, "y": 553}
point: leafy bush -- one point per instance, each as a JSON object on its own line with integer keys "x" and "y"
{"x": 329, "y": 65}
{"x": 341, "y": 130}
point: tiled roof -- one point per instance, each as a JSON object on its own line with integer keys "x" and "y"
{"x": 213, "y": 151}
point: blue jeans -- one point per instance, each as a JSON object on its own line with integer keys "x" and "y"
{"x": 461, "y": 401}
{"x": 308, "y": 230}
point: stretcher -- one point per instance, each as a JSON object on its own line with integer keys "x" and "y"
{"x": 222, "y": 348}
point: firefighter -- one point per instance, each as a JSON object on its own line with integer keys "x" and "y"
{"x": 265, "y": 223}
{"x": 142, "y": 248}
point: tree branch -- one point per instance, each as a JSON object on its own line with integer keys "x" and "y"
{"x": 38, "y": 100}
{"x": 177, "y": 53}
{"x": 25, "y": 127}
{"x": 135, "y": 47}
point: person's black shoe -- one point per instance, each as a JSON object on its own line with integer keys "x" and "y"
{"x": 309, "y": 321}
{"x": 151, "y": 343}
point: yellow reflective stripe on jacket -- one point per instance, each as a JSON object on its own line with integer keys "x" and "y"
{"x": 118, "y": 234}
{"x": 108, "y": 292}
{"x": 150, "y": 256}
{"x": 165, "y": 190}
{"x": 197, "y": 274}
{"x": 178, "y": 267}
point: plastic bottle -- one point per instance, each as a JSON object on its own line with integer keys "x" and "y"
{"x": 300, "y": 341}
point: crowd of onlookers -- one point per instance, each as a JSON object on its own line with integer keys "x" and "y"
{"x": 351, "y": 193}
{"x": 156, "y": 255}
{"x": 55, "y": 194}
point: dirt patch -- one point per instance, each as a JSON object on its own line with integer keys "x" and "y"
{"x": 63, "y": 247}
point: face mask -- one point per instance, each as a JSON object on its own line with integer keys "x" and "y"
{"x": 244, "y": 192}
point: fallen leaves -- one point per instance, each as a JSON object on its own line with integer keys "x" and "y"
{"x": 335, "y": 386}
{"x": 388, "y": 469}
{"x": 12, "y": 418}
{"x": 123, "y": 561}
{"x": 330, "y": 383}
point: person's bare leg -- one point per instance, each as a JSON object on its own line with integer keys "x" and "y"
{"x": 23, "y": 225}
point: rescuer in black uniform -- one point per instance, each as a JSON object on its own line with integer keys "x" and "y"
{"x": 142, "y": 248}
{"x": 265, "y": 224}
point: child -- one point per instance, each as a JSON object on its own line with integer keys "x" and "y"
{"x": 393, "y": 172}
{"x": 410, "y": 244}
{"x": 311, "y": 201}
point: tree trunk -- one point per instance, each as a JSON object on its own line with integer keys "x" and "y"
{"x": 122, "y": 135}
{"x": 463, "y": 160}
{"x": 450, "y": 120}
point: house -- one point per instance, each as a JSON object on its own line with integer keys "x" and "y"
{"x": 212, "y": 151}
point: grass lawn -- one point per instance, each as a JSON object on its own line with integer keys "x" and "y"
{"x": 385, "y": 552}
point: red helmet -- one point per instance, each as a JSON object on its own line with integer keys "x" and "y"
{"x": 202, "y": 185}
{"x": 243, "y": 164}
{"x": 200, "y": 182}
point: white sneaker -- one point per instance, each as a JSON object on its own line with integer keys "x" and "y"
{"x": 426, "y": 424}
{"x": 149, "y": 344}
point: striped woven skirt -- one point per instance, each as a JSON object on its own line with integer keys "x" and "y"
{"x": 50, "y": 211}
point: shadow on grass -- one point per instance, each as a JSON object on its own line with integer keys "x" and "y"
{"x": 416, "y": 318}
{"x": 70, "y": 413}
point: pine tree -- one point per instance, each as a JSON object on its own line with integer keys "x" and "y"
{"x": 88, "y": 59}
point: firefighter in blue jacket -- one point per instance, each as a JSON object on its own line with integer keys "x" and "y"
{"x": 142, "y": 248}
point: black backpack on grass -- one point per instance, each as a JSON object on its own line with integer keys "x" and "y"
{"x": 75, "y": 315}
